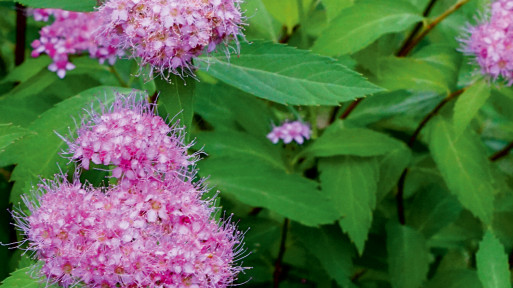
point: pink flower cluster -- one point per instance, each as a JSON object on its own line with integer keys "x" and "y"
{"x": 491, "y": 42}
{"x": 288, "y": 131}
{"x": 153, "y": 231}
{"x": 130, "y": 137}
{"x": 167, "y": 34}
{"x": 70, "y": 33}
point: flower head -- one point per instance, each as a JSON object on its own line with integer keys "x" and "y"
{"x": 153, "y": 229}
{"x": 491, "y": 42}
{"x": 288, "y": 131}
{"x": 167, "y": 34}
{"x": 129, "y": 136}
{"x": 70, "y": 33}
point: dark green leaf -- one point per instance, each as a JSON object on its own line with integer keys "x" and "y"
{"x": 464, "y": 167}
{"x": 287, "y": 75}
{"x": 455, "y": 279}
{"x": 331, "y": 248}
{"x": 492, "y": 263}
{"x": 408, "y": 256}
{"x": 351, "y": 184}
{"x": 391, "y": 166}
{"x": 432, "y": 210}
{"x": 176, "y": 99}
{"x": 27, "y": 69}
{"x": 361, "y": 24}
{"x": 258, "y": 184}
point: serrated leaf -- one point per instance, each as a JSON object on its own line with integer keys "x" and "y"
{"x": 331, "y": 248}
{"x": 359, "y": 25}
{"x": 287, "y": 75}
{"x": 433, "y": 209}
{"x": 464, "y": 167}
{"x": 351, "y": 184}
{"x": 39, "y": 153}
{"x": 391, "y": 166}
{"x": 81, "y": 6}
{"x": 468, "y": 104}
{"x": 10, "y": 134}
{"x": 338, "y": 140}
{"x": 22, "y": 278}
{"x": 259, "y": 184}
{"x": 231, "y": 143}
{"x": 176, "y": 99}
{"x": 408, "y": 256}
{"x": 492, "y": 263}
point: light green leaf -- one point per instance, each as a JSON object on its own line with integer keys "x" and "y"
{"x": 408, "y": 256}
{"x": 359, "y": 25}
{"x": 433, "y": 209}
{"x": 391, "y": 166}
{"x": 412, "y": 74}
{"x": 81, "y": 6}
{"x": 333, "y": 7}
{"x": 492, "y": 263}
{"x": 258, "y": 184}
{"x": 260, "y": 20}
{"x": 331, "y": 248}
{"x": 351, "y": 184}
{"x": 338, "y": 140}
{"x": 39, "y": 153}
{"x": 176, "y": 99}
{"x": 288, "y": 75}
{"x": 232, "y": 143}
{"x": 28, "y": 69}
{"x": 10, "y": 134}
{"x": 468, "y": 104}
{"x": 286, "y": 11}
{"x": 464, "y": 167}
{"x": 23, "y": 278}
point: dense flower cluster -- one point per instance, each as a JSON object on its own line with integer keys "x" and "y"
{"x": 288, "y": 131}
{"x": 153, "y": 231}
{"x": 491, "y": 42}
{"x": 167, "y": 34}
{"x": 70, "y": 33}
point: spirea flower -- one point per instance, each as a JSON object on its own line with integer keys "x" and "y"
{"x": 167, "y": 34}
{"x": 288, "y": 131}
{"x": 491, "y": 42}
{"x": 129, "y": 136}
{"x": 155, "y": 230}
{"x": 70, "y": 33}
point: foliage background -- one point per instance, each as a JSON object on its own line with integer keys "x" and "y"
{"x": 409, "y": 187}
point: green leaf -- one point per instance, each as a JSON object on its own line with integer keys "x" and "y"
{"x": 333, "y": 7}
{"x": 391, "y": 166}
{"x": 408, "y": 256}
{"x": 176, "y": 99}
{"x": 231, "y": 143}
{"x": 28, "y": 69}
{"x": 258, "y": 184}
{"x": 492, "y": 263}
{"x": 287, "y": 75}
{"x": 338, "y": 140}
{"x": 359, "y": 25}
{"x": 10, "y": 134}
{"x": 81, "y": 6}
{"x": 468, "y": 104}
{"x": 286, "y": 11}
{"x": 331, "y": 248}
{"x": 39, "y": 153}
{"x": 433, "y": 209}
{"x": 464, "y": 167}
{"x": 260, "y": 21}
{"x": 23, "y": 278}
{"x": 351, "y": 184}
{"x": 455, "y": 279}
{"x": 412, "y": 74}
